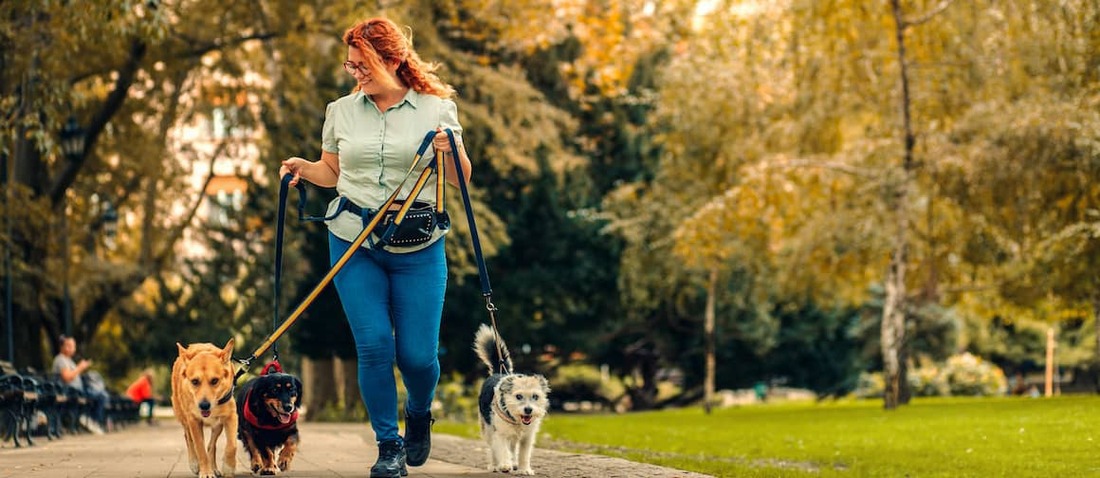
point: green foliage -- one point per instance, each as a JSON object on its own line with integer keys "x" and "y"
{"x": 582, "y": 382}
{"x": 459, "y": 401}
{"x": 959, "y": 375}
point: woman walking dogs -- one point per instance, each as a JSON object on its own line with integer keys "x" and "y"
{"x": 392, "y": 295}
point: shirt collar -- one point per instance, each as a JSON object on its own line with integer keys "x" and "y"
{"x": 411, "y": 97}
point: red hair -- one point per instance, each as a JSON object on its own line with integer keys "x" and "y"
{"x": 379, "y": 40}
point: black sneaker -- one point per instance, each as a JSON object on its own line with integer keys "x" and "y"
{"x": 418, "y": 438}
{"x": 391, "y": 460}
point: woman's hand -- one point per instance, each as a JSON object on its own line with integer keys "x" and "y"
{"x": 293, "y": 165}
{"x": 443, "y": 144}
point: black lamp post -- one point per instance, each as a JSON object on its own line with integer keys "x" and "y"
{"x": 72, "y": 139}
{"x": 72, "y": 146}
{"x": 7, "y": 262}
{"x": 110, "y": 224}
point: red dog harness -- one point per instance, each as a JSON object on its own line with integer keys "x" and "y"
{"x": 251, "y": 417}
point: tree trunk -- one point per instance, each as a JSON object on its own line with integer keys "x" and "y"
{"x": 318, "y": 386}
{"x": 893, "y": 319}
{"x": 708, "y": 337}
{"x": 643, "y": 362}
{"x": 893, "y": 311}
{"x": 347, "y": 385}
{"x": 1096, "y": 325}
{"x": 905, "y": 392}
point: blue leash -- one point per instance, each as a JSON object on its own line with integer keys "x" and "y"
{"x": 482, "y": 269}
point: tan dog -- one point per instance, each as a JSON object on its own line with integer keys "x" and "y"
{"x": 202, "y": 396}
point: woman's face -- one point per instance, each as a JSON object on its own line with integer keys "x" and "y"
{"x": 367, "y": 79}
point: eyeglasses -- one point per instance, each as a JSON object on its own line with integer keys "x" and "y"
{"x": 353, "y": 68}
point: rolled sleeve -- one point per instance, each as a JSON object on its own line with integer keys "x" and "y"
{"x": 328, "y": 131}
{"x": 448, "y": 117}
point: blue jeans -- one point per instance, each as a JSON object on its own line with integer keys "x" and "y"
{"x": 394, "y": 304}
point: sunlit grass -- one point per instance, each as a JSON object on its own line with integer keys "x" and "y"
{"x": 930, "y": 437}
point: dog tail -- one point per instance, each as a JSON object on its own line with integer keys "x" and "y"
{"x": 487, "y": 349}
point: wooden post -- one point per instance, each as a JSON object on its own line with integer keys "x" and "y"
{"x": 1049, "y": 389}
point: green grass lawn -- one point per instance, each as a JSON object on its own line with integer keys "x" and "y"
{"x": 981, "y": 437}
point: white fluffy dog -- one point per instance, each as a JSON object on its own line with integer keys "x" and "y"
{"x": 510, "y": 408}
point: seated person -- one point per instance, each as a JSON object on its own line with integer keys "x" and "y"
{"x": 141, "y": 392}
{"x": 72, "y": 374}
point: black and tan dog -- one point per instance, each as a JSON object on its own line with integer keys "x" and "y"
{"x": 267, "y": 409}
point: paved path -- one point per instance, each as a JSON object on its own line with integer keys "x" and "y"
{"x": 328, "y": 449}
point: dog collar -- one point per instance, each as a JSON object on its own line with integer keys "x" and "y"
{"x": 504, "y": 415}
{"x": 228, "y": 395}
{"x": 254, "y": 421}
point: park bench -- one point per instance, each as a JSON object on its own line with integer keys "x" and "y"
{"x": 18, "y": 404}
{"x": 51, "y": 399}
{"x": 122, "y": 411}
{"x": 72, "y": 406}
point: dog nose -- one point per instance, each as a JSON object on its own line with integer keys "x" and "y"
{"x": 288, "y": 407}
{"x": 527, "y": 410}
{"x": 204, "y": 405}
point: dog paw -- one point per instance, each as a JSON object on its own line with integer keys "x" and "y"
{"x": 269, "y": 471}
{"x": 256, "y": 468}
{"x": 194, "y": 467}
{"x": 207, "y": 474}
{"x": 500, "y": 468}
{"x": 526, "y": 472}
{"x": 284, "y": 465}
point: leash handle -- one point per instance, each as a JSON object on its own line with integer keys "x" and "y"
{"x": 273, "y": 365}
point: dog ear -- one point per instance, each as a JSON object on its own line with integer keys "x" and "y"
{"x": 505, "y": 384}
{"x": 227, "y": 351}
{"x": 297, "y": 392}
{"x": 545, "y": 384}
{"x": 182, "y": 350}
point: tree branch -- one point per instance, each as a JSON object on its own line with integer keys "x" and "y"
{"x": 839, "y": 167}
{"x": 124, "y": 286}
{"x": 194, "y": 52}
{"x": 218, "y": 44}
{"x": 927, "y": 15}
{"x": 170, "y": 242}
{"x": 111, "y": 106}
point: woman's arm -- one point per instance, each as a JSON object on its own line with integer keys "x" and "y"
{"x": 323, "y": 172}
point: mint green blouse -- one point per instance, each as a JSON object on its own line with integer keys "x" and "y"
{"x": 376, "y": 149}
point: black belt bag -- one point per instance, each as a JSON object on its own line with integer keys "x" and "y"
{"x": 417, "y": 228}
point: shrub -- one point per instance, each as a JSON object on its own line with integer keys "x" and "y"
{"x": 960, "y": 375}
{"x": 869, "y": 385}
{"x": 967, "y": 374}
{"x": 583, "y": 382}
{"x": 456, "y": 401}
